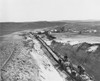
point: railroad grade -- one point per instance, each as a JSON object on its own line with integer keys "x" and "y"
{"x": 54, "y": 55}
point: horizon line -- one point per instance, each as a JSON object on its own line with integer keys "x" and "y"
{"x": 88, "y": 20}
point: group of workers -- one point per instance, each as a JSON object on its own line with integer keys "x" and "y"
{"x": 78, "y": 72}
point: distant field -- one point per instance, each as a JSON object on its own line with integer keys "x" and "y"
{"x": 10, "y": 27}
{"x": 77, "y": 37}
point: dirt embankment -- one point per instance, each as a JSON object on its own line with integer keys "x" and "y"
{"x": 22, "y": 59}
{"x": 16, "y": 63}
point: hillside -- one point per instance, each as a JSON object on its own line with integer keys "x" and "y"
{"x": 85, "y": 54}
{"x": 10, "y": 27}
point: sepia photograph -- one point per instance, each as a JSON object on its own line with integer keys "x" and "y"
{"x": 49, "y": 40}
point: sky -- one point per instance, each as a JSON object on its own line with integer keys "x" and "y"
{"x": 48, "y": 10}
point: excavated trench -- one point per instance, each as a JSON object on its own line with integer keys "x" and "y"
{"x": 28, "y": 61}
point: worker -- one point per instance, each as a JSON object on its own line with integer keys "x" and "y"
{"x": 67, "y": 64}
{"x": 66, "y": 58}
{"x": 73, "y": 73}
{"x": 81, "y": 70}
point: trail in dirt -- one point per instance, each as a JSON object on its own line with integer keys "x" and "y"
{"x": 47, "y": 71}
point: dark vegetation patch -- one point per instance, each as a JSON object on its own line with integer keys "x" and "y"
{"x": 79, "y": 56}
